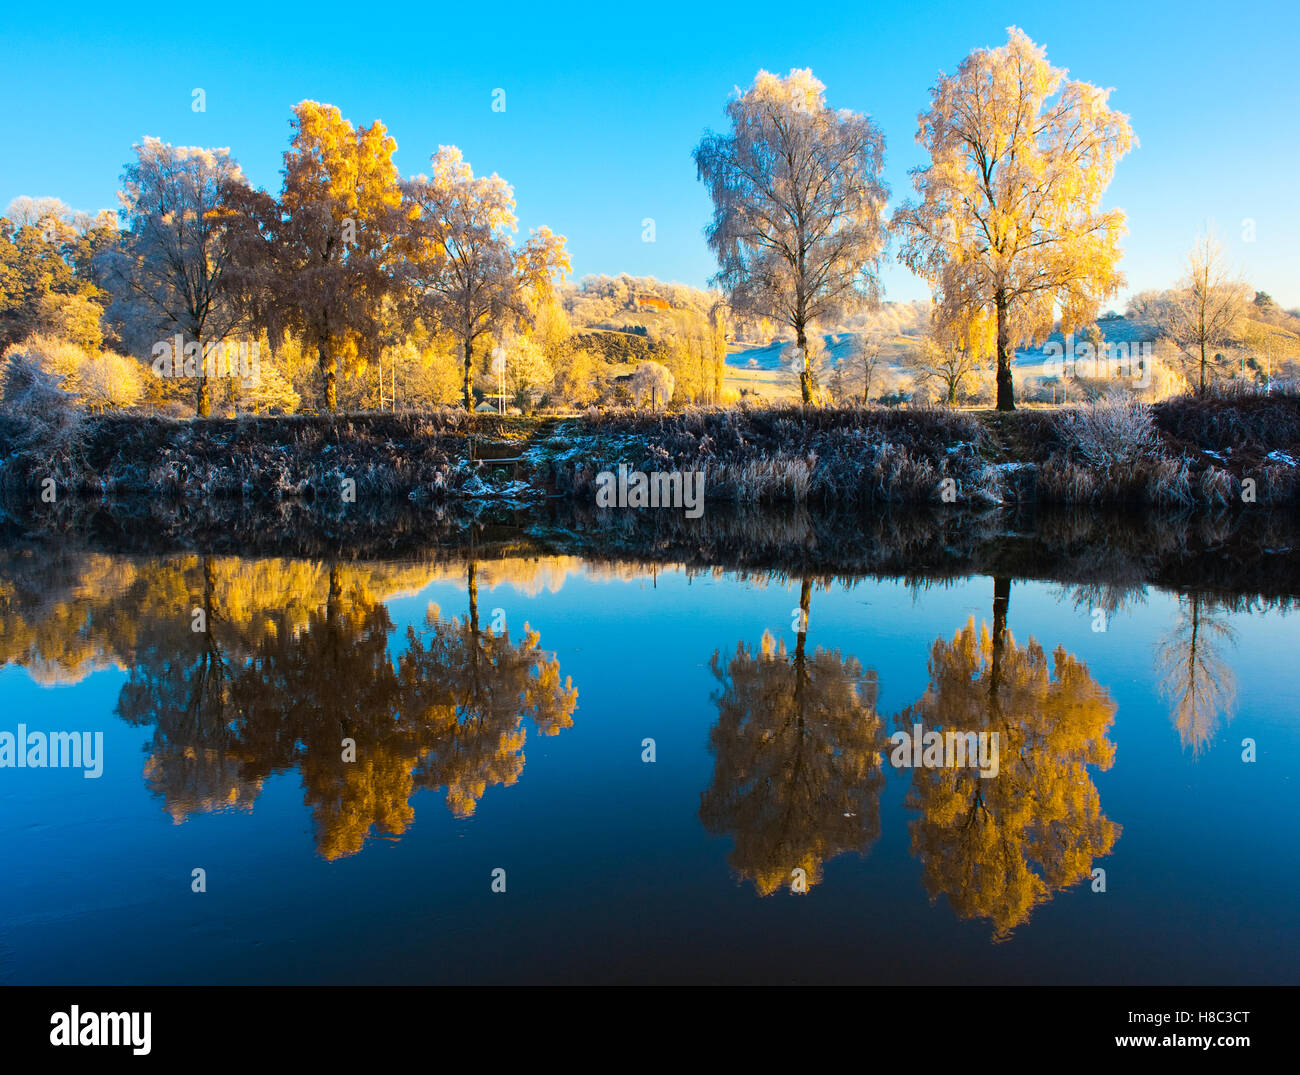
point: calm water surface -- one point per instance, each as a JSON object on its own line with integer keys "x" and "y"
{"x": 501, "y": 710}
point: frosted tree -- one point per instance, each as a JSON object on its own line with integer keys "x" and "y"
{"x": 798, "y": 202}
{"x": 1206, "y": 311}
{"x": 813, "y": 365}
{"x": 1008, "y": 227}
{"x": 941, "y": 361}
{"x": 170, "y": 270}
{"x": 1195, "y": 678}
{"x": 652, "y": 383}
{"x": 462, "y": 261}
{"x": 26, "y": 211}
{"x": 863, "y": 359}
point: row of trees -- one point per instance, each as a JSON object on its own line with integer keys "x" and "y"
{"x": 1007, "y": 224}
{"x": 365, "y": 283}
{"x": 348, "y": 259}
{"x": 327, "y": 328}
{"x": 1211, "y": 329}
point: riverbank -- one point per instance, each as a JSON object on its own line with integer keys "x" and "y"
{"x": 1210, "y": 455}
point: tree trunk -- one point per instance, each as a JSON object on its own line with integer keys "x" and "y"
{"x": 801, "y": 638}
{"x": 329, "y": 375}
{"x": 203, "y": 406}
{"x": 469, "y": 358}
{"x": 203, "y": 395}
{"x": 1201, "y": 390}
{"x": 1006, "y": 389}
{"x": 805, "y": 375}
{"x": 472, "y": 588}
{"x": 335, "y": 594}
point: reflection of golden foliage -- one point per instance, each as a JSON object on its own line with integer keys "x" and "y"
{"x": 64, "y": 617}
{"x": 372, "y": 793}
{"x": 194, "y": 780}
{"x": 48, "y": 606}
{"x": 294, "y": 658}
{"x": 797, "y": 775}
{"x": 474, "y": 689}
{"x": 996, "y": 847}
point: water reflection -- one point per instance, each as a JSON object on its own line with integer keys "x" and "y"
{"x": 245, "y": 669}
{"x": 797, "y": 759}
{"x": 248, "y": 668}
{"x": 798, "y": 767}
{"x": 1195, "y": 679}
{"x": 995, "y": 848}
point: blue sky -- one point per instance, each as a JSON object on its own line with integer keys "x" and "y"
{"x": 605, "y": 103}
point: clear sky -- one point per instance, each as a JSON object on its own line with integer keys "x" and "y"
{"x": 604, "y": 104}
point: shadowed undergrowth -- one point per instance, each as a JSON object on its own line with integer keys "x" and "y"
{"x": 1181, "y": 454}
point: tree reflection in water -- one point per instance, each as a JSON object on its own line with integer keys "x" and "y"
{"x": 267, "y": 689}
{"x": 797, "y": 747}
{"x": 997, "y": 847}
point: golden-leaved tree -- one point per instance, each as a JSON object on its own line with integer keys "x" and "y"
{"x": 461, "y": 261}
{"x": 1008, "y": 227}
{"x": 331, "y": 256}
{"x": 291, "y": 661}
{"x": 472, "y": 688}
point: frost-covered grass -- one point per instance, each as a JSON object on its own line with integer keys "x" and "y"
{"x": 1115, "y": 431}
{"x": 1177, "y": 454}
{"x": 830, "y": 455}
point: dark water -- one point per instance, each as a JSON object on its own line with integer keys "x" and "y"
{"x": 500, "y": 709}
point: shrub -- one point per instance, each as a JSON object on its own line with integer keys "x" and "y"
{"x": 36, "y": 397}
{"x": 98, "y": 380}
{"x": 1112, "y": 432}
{"x": 1271, "y": 421}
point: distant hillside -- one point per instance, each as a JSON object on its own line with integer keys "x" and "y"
{"x": 616, "y": 302}
{"x": 618, "y": 348}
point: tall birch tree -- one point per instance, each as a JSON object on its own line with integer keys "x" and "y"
{"x": 798, "y": 204}
{"x": 169, "y": 273}
{"x": 1008, "y": 227}
{"x": 463, "y": 264}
